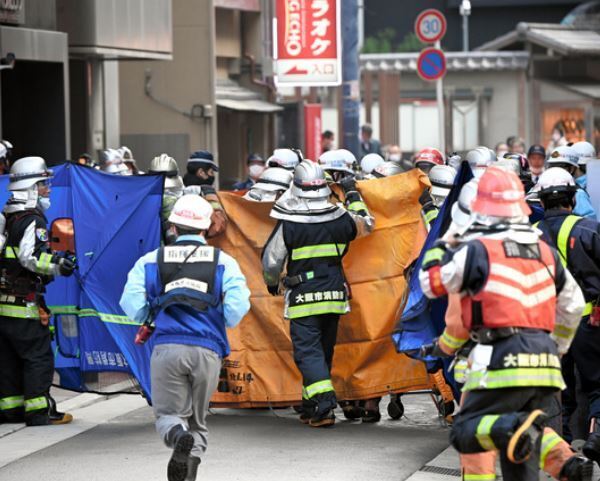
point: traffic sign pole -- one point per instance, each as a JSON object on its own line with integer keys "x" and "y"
{"x": 439, "y": 90}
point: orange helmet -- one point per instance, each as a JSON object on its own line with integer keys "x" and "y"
{"x": 500, "y": 194}
{"x": 429, "y": 157}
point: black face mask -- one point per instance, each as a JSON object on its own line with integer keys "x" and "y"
{"x": 208, "y": 181}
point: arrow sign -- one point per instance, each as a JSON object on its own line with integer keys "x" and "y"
{"x": 431, "y": 64}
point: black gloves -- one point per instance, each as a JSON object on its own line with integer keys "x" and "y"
{"x": 273, "y": 290}
{"x": 66, "y": 266}
{"x": 432, "y": 349}
{"x": 348, "y": 184}
{"x": 425, "y": 200}
{"x": 208, "y": 190}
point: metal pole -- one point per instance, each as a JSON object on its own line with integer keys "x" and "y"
{"x": 350, "y": 72}
{"x": 439, "y": 90}
{"x": 465, "y": 29}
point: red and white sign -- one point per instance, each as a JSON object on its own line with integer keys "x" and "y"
{"x": 430, "y": 25}
{"x": 307, "y": 43}
{"x": 312, "y": 131}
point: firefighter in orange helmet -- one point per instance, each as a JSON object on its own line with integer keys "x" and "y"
{"x": 521, "y": 307}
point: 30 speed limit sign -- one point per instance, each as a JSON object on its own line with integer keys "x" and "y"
{"x": 430, "y": 25}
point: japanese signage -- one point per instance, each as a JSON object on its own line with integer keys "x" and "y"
{"x": 312, "y": 131}
{"x": 12, "y": 11}
{"x": 307, "y": 44}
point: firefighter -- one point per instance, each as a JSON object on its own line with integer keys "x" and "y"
{"x": 567, "y": 158}
{"x": 521, "y": 307}
{"x": 556, "y": 457}
{"x": 428, "y": 158}
{"x": 174, "y": 189}
{"x": 287, "y": 159}
{"x": 26, "y": 358}
{"x": 273, "y": 182}
{"x": 480, "y": 159}
{"x": 578, "y": 242}
{"x": 311, "y": 237}
{"x": 431, "y": 200}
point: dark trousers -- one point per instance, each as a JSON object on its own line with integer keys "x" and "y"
{"x": 26, "y": 369}
{"x": 584, "y": 355}
{"x": 313, "y": 340}
{"x": 513, "y": 405}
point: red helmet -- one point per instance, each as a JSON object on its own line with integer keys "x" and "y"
{"x": 429, "y": 156}
{"x": 500, "y": 194}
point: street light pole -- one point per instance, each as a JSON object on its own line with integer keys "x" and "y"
{"x": 465, "y": 11}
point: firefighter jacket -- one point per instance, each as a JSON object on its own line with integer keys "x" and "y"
{"x": 577, "y": 240}
{"x": 27, "y": 265}
{"x": 313, "y": 249}
{"x": 510, "y": 279}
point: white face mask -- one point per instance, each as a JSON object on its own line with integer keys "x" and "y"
{"x": 395, "y": 157}
{"x": 44, "y": 203}
{"x": 255, "y": 171}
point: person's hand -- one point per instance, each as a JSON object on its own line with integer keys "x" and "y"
{"x": 348, "y": 184}
{"x": 425, "y": 200}
{"x": 208, "y": 190}
{"x": 66, "y": 266}
{"x": 432, "y": 349}
{"x": 273, "y": 290}
{"x": 594, "y": 320}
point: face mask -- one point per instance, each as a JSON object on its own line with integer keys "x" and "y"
{"x": 395, "y": 158}
{"x": 255, "y": 171}
{"x": 556, "y": 136}
{"x": 210, "y": 180}
{"x": 44, "y": 203}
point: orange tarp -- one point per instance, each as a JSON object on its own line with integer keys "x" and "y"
{"x": 261, "y": 369}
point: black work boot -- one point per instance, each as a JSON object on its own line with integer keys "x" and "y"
{"x": 182, "y": 442}
{"x": 522, "y": 442}
{"x": 56, "y": 417}
{"x": 577, "y": 468}
{"x": 591, "y": 448}
{"x": 322, "y": 419}
{"x": 351, "y": 409}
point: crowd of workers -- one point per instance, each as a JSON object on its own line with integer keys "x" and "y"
{"x": 519, "y": 264}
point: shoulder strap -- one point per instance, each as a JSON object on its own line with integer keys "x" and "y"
{"x": 564, "y": 233}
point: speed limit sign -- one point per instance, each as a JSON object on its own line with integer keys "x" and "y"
{"x": 430, "y": 25}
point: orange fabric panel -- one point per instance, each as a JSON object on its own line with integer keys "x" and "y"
{"x": 261, "y": 369}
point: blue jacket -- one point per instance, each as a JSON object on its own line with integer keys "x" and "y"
{"x": 583, "y": 205}
{"x": 179, "y": 325}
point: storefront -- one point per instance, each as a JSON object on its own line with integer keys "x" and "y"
{"x": 563, "y": 85}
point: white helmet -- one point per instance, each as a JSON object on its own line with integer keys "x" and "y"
{"x": 28, "y": 171}
{"x": 510, "y": 165}
{"x": 461, "y": 209}
{"x": 585, "y": 151}
{"x": 284, "y": 158}
{"x": 116, "y": 169}
{"x": 274, "y": 179}
{"x": 563, "y": 155}
{"x": 387, "y": 169}
{"x": 191, "y": 212}
{"x": 370, "y": 162}
{"x": 442, "y": 180}
{"x": 480, "y": 159}
{"x": 555, "y": 181}
{"x": 309, "y": 181}
{"x": 5, "y": 149}
{"x": 338, "y": 161}
{"x": 166, "y": 164}
{"x": 127, "y": 155}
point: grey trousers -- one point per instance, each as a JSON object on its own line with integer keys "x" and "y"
{"x": 183, "y": 381}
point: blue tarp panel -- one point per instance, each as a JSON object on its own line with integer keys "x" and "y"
{"x": 116, "y": 221}
{"x": 422, "y": 319}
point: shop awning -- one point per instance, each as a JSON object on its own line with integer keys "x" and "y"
{"x": 563, "y": 39}
{"x": 249, "y": 105}
{"x": 587, "y": 90}
{"x": 231, "y": 95}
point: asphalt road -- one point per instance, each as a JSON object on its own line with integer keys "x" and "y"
{"x": 246, "y": 445}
